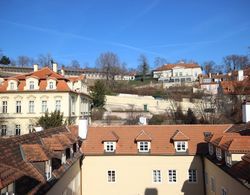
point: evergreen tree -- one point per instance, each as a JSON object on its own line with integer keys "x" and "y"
{"x": 5, "y": 60}
{"x": 190, "y": 117}
{"x": 54, "y": 119}
{"x": 98, "y": 94}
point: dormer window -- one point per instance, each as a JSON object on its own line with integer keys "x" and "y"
{"x": 51, "y": 85}
{"x": 181, "y": 146}
{"x": 12, "y": 86}
{"x": 109, "y": 146}
{"x": 48, "y": 169}
{"x": 143, "y": 146}
{"x": 63, "y": 158}
{"x": 228, "y": 158}
{"x": 31, "y": 85}
{"x": 210, "y": 148}
{"x": 218, "y": 154}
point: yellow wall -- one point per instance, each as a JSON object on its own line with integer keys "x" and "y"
{"x": 69, "y": 183}
{"x": 134, "y": 175}
{"x": 224, "y": 180}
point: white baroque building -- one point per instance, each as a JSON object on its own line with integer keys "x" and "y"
{"x": 26, "y": 97}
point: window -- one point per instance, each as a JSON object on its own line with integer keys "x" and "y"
{"x": 145, "y": 107}
{"x": 31, "y": 127}
{"x": 7, "y": 190}
{"x": 18, "y": 130}
{"x": 73, "y": 105}
{"x": 223, "y": 191}
{"x": 143, "y": 146}
{"x": 12, "y": 86}
{"x": 111, "y": 176}
{"x": 156, "y": 176}
{"x": 109, "y": 146}
{"x": 211, "y": 149}
{"x": 31, "y": 107}
{"x": 3, "y": 130}
{"x": 44, "y": 106}
{"x": 180, "y": 73}
{"x": 32, "y": 85}
{"x": 51, "y": 85}
{"x": 212, "y": 184}
{"x": 176, "y": 74}
{"x": 206, "y": 178}
{"x": 18, "y": 107}
{"x": 48, "y": 169}
{"x": 58, "y": 105}
{"x": 192, "y": 176}
{"x": 4, "y": 106}
{"x": 172, "y": 176}
{"x": 228, "y": 158}
{"x": 218, "y": 153}
{"x": 181, "y": 146}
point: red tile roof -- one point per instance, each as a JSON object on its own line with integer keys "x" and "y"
{"x": 42, "y": 75}
{"x": 171, "y": 66}
{"x": 143, "y": 136}
{"x": 160, "y": 138}
{"x": 34, "y": 153}
{"x": 110, "y": 136}
{"x": 179, "y": 136}
{"x": 246, "y": 157}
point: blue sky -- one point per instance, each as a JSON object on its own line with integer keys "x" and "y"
{"x": 197, "y": 30}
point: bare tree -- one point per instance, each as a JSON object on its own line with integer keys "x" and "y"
{"x": 23, "y": 61}
{"x": 45, "y": 60}
{"x": 236, "y": 62}
{"x": 143, "y": 66}
{"x": 109, "y": 63}
{"x": 208, "y": 67}
{"x": 75, "y": 64}
{"x": 159, "y": 61}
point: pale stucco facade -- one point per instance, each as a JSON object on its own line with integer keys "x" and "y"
{"x": 32, "y": 104}
{"x": 134, "y": 175}
{"x": 222, "y": 180}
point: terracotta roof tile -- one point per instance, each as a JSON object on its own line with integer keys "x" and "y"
{"x": 34, "y": 152}
{"x": 160, "y": 135}
{"x": 53, "y": 144}
{"x": 179, "y": 136}
{"x": 171, "y": 66}
{"x": 110, "y": 136}
{"x": 246, "y": 157}
{"x": 143, "y": 136}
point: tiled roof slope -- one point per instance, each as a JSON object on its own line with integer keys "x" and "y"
{"x": 236, "y": 87}
{"x": 179, "y": 136}
{"x": 20, "y": 152}
{"x": 171, "y": 66}
{"x": 161, "y": 143}
{"x": 42, "y": 75}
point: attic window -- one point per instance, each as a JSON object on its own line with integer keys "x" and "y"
{"x": 210, "y": 149}
{"x": 218, "y": 153}
{"x": 143, "y": 146}
{"x": 109, "y": 146}
{"x": 12, "y": 86}
{"x": 31, "y": 85}
{"x": 51, "y": 85}
{"x": 181, "y": 146}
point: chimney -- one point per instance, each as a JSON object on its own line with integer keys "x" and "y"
{"x": 240, "y": 75}
{"x": 63, "y": 72}
{"x": 35, "y": 67}
{"x": 54, "y": 67}
{"x": 210, "y": 75}
{"x": 245, "y": 111}
{"x": 143, "y": 120}
{"x": 83, "y": 128}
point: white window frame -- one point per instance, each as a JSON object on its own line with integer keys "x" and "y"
{"x": 210, "y": 149}
{"x": 212, "y": 182}
{"x": 44, "y": 106}
{"x": 218, "y": 153}
{"x": 31, "y": 106}
{"x": 4, "y": 107}
{"x": 58, "y": 105}
{"x": 111, "y": 176}
{"x": 157, "y": 178}
{"x": 48, "y": 169}
{"x": 109, "y": 146}
{"x": 172, "y": 176}
{"x": 12, "y": 86}
{"x": 63, "y": 158}
{"x": 18, "y": 129}
{"x": 192, "y": 176}
{"x": 51, "y": 85}
{"x": 3, "y": 130}
{"x": 223, "y": 191}
{"x": 31, "y": 85}
{"x": 143, "y": 146}
{"x": 18, "y": 107}
{"x": 73, "y": 105}
{"x": 228, "y": 158}
{"x": 181, "y": 146}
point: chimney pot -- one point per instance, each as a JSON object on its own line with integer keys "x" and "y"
{"x": 54, "y": 67}
{"x": 35, "y": 67}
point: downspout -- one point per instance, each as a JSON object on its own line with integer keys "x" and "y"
{"x": 203, "y": 173}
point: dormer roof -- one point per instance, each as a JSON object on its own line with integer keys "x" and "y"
{"x": 143, "y": 136}
{"x": 33, "y": 153}
{"x": 110, "y": 136}
{"x": 179, "y": 136}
